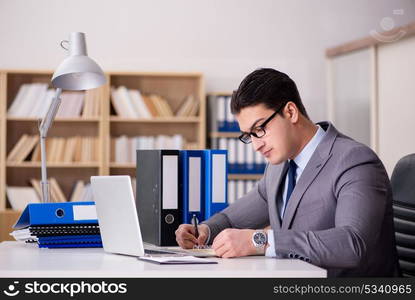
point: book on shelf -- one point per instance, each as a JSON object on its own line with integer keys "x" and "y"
{"x": 220, "y": 116}
{"x": 36, "y": 153}
{"x": 140, "y": 107}
{"x": 242, "y": 157}
{"x": 78, "y": 150}
{"x": 188, "y": 108}
{"x": 11, "y": 157}
{"x": 121, "y": 102}
{"x": 162, "y": 107}
{"x": 63, "y": 149}
{"x": 69, "y": 153}
{"x": 23, "y": 148}
{"x": 81, "y": 192}
{"x": 28, "y": 101}
{"x": 158, "y": 105}
{"x": 58, "y": 149}
{"x": 238, "y": 188}
{"x": 20, "y": 196}
{"x": 77, "y": 191}
{"x": 85, "y": 150}
{"x": 130, "y": 103}
{"x": 71, "y": 105}
{"x": 36, "y": 186}
{"x": 150, "y": 105}
{"x": 55, "y": 191}
{"x": 194, "y": 109}
{"x": 17, "y": 103}
{"x": 92, "y": 103}
{"x": 40, "y": 105}
{"x": 33, "y": 100}
{"x": 124, "y": 148}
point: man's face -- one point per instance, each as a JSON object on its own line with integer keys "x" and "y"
{"x": 278, "y": 143}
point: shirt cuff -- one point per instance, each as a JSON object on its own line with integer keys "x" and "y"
{"x": 271, "y": 244}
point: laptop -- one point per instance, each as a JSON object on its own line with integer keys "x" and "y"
{"x": 118, "y": 220}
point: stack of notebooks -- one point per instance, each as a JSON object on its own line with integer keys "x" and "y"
{"x": 59, "y": 225}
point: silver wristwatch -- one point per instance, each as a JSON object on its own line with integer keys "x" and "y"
{"x": 259, "y": 239}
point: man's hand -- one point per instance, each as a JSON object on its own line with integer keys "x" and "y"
{"x": 185, "y": 235}
{"x": 235, "y": 243}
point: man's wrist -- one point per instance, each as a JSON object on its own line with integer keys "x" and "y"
{"x": 259, "y": 241}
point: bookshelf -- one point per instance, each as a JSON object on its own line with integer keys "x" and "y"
{"x": 173, "y": 87}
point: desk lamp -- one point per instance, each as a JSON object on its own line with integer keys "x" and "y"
{"x": 77, "y": 72}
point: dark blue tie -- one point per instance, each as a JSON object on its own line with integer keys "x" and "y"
{"x": 291, "y": 180}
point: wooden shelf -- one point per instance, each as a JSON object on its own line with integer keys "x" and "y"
{"x": 215, "y": 94}
{"x": 22, "y": 119}
{"x": 215, "y": 135}
{"x": 156, "y": 120}
{"x": 122, "y": 166}
{"x": 156, "y": 74}
{"x": 53, "y": 165}
{"x": 244, "y": 176}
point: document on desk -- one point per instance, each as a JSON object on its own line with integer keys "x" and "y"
{"x": 202, "y": 252}
{"x": 176, "y": 260}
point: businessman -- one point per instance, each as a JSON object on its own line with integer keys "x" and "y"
{"x": 324, "y": 198}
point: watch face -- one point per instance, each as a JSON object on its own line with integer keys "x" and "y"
{"x": 260, "y": 238}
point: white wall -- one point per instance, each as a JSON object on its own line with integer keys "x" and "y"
{"x": 396, "y": 65}
{"x": 224, "y": 39}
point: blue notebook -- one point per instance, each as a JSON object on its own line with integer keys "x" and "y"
{"x": 74, "y": 241}
{"x": 57, "y": 214}
{"x": 216, "y": 179}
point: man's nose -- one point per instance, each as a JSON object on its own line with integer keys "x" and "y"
{"x": 257, "y": 143}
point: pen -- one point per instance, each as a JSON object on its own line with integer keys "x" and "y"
{"x": 194, "y": 221}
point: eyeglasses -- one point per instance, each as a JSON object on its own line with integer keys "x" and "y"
{"x": 258, "y": 131}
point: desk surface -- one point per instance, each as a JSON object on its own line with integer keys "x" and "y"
{"x": 27, "y": 260}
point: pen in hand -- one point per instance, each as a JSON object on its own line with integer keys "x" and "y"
{"x": 194, "y": 221}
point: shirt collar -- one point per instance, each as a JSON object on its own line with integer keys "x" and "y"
{"x": 302, "y": 159}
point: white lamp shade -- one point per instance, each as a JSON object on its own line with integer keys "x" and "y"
{"x": 78, "y": 71}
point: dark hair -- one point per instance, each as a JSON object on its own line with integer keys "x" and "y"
{"x": 267, "y": 86}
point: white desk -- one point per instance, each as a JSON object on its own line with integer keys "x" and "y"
{"x": 27, "y": 260}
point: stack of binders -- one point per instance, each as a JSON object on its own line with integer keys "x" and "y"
{"x": 174, "y": 185}
{"x": 59, "y": 225}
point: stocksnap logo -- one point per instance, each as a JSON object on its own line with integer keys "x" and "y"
{"x": 11, "y": 292}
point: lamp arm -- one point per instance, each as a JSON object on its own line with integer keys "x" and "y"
{"x": 43, "y": 131}
{"x": 50, "y": 115}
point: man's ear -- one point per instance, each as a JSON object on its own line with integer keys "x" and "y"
{"x": 291, "y": 112}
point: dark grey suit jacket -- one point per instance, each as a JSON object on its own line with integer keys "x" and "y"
{"x": 339, "y": 215}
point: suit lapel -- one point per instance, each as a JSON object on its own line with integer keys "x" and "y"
{"x": 317, "y": 161}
